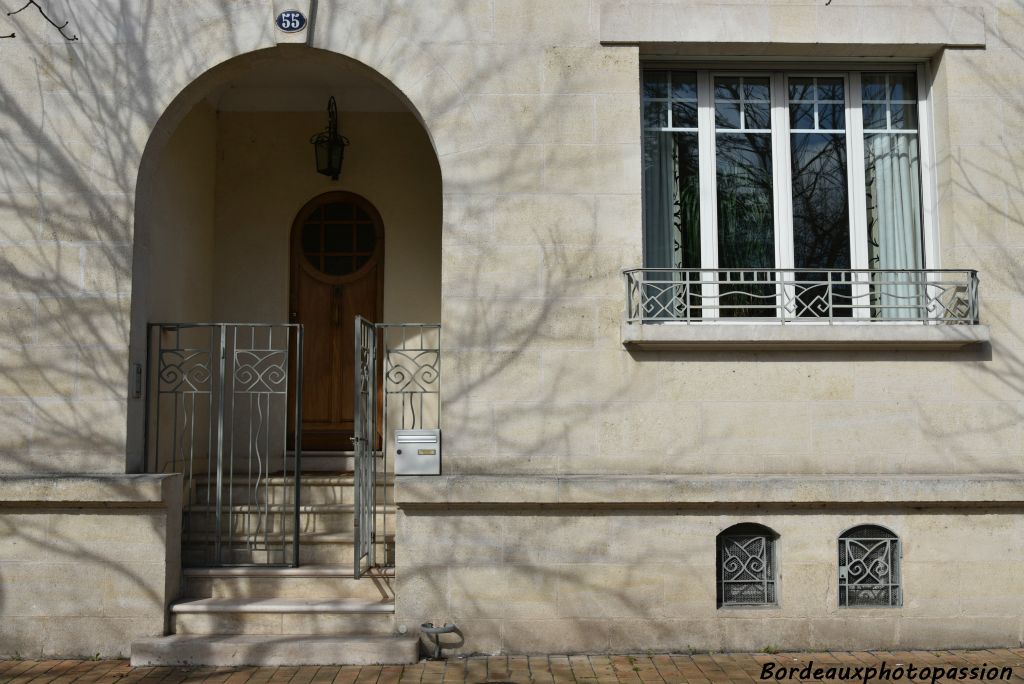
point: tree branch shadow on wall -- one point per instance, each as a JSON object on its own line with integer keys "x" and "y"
{"x": 71, "y": 156}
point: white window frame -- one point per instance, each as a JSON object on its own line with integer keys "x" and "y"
{"x": 779, "y": 72}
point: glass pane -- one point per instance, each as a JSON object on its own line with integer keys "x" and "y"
{"x": 902, "y": 86}
{"x": 746, "y": 228}
{"x": 339, "y": 211}
{"x": 821, "y": 222}
{"x": 671, "y": 201}
{"x": 801, "y": 116}
{"x": 311, "y": 237}
{"x": 686, "y": 219}
{"x": 655, "y": 84}
{"x": 821, "y": 226}
{"x": 756, "y": 88}
{"x": 671, "y": 222}
{"x": 362, "y": 261}
{"x": 904, "y": 116}
{"x": 831, "y": 116}
{"x": 655, "y": 115}
{"x": 727, "y": 87}
{"x": 684, "y": 85}
{"x": 316, "y": 215}
{"x": 727, "y": 114}
{"x": 831, "y": 89}
{"x": 338, "y": 238}
{"x": 874, "y": 116}
{"x": 758, "y": 116}
{"x": 361, "y": 215}
{"x": 873, "y": 87}
{"x": 684, "y": 115}
{"x": 801, "y": 88}
{"x": 365, "y": 238}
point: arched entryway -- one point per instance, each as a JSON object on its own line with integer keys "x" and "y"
{"x": 239, "y": 240}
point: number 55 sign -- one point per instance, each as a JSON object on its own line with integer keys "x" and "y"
{"x": 291, "y": 21}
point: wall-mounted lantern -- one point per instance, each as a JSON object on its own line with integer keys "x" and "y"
{"x": 329, "y": 145}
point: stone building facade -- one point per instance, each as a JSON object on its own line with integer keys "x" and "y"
{"x": 814, "y": 443}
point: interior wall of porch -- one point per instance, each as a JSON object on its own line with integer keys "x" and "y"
{"x": 265, "y": 174}
{"x": 181, "y": 257}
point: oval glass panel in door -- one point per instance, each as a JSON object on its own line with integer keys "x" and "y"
{"x": 339, "y": 239}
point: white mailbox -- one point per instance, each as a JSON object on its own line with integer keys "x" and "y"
{"x": 417, "y": 452}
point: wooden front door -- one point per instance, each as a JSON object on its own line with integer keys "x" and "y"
{"x": 337, "y": 273}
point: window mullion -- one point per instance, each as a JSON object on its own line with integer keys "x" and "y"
{"x": 926, "y": 145}
{"x": 708, "y": 193}
{"x": 783, "y": 184}
{"x": 857, "y": 190}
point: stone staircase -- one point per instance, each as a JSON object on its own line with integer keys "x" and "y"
{"x": 315, "y": 614}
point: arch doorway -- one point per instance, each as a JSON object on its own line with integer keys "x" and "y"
{"x": 337, "y": 256}
{"x": 228, "y": 185}
{"x": 243, "y": 255}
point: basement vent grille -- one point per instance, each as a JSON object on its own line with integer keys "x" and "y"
{"x": 746, "y": 566}
{"x": 869, "y": 567}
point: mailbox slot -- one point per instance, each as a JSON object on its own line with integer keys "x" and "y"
{"x": 417, "y": 452}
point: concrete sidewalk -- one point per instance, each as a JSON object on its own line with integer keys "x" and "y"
{"x": 594, "y": 669}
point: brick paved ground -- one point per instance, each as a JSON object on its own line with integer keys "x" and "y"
{"x": 639, "y": 669}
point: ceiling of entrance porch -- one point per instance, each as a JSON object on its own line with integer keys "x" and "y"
{"x": 291, "y": 85}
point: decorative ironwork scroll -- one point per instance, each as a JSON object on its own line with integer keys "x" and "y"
{"x": 222, "y": 410}
{"x": 869, "y": 558}
{"x": 933, "y": 296}
{"x": 746, "y": 569}
{"x": 398, "y": 386}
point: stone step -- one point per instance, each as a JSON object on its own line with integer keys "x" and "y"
{"x": 318, "y": 616}
{"x": 314, "y": 548}
{"x": 305, "y": 581}
{"x": 180, "y": 650}
{"x": 326, "y": 461}
{"x": 256, "y": 519}
{"x": 316, "y": 489}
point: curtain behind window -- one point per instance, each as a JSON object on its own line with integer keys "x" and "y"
{"x": 671, "y": 221}
{"x": 892, "y": 166}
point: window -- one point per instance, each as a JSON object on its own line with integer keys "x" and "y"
{"x": 869, "y": 567}
{"x": 800, "y": 172}
{"x": 339, "y": 237}
{"x": 746, "y": 566}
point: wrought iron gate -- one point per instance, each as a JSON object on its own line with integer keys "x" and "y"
{"x": 365, "y": 445}
{"x": 397, "y": 386}
{"x": 222, "y": 410}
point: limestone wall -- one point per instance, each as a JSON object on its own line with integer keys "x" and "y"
{"x": 87, "y": 564}
{"x": 533, "y": 110}
{"x": 562, "y": 565}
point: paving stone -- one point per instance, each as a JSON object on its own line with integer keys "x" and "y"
{"x": 646, "y": 668}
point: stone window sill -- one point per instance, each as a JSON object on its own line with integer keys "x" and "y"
{"x": 775, "y": 336}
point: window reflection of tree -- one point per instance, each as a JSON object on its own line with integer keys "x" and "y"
{"x": 821, "y": 220}
{"x": 746, "y": 226}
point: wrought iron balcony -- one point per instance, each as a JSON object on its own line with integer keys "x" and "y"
{"x": 832, "y": 296}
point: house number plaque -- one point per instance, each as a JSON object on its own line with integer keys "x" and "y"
{"x": 291, "y": 21}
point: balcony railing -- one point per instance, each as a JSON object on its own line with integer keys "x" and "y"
{"x": 833, "y": 296}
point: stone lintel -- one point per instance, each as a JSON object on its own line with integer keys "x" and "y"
{"x": 882, "y": 30}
